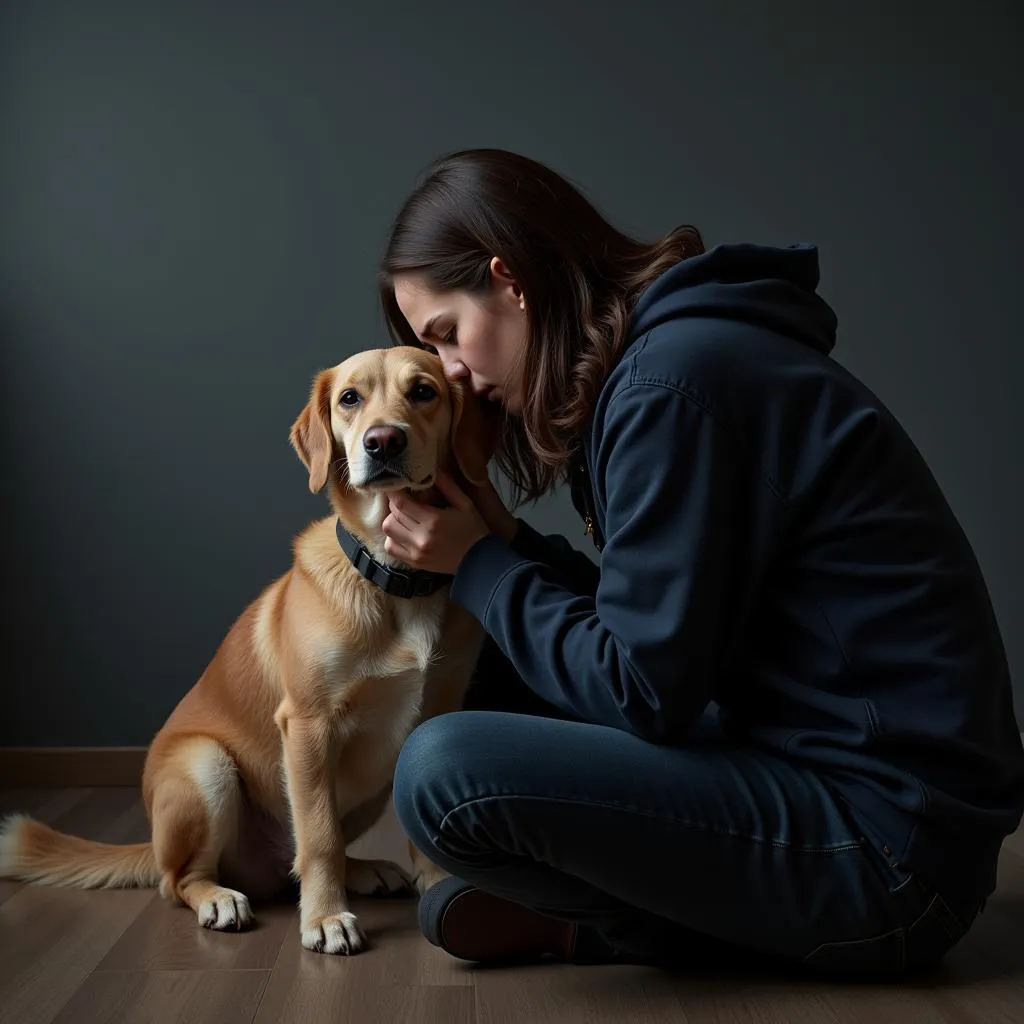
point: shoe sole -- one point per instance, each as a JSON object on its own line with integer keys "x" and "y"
{"x": 472, "y": 925}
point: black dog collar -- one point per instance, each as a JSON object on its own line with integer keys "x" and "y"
{"x": 397, "y": 582}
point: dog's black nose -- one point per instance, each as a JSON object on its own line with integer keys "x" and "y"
{"x": 382, "y": 443}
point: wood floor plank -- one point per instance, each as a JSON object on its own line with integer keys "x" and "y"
{"x": 51, "y": 939}
{"x": 199, "y": 997}
{"x": 553, "y": 994}
{"x": 997, "y": 1001}
{"x": 871, "y": 1004}
{"x": 109, "y": 814}
{"x": 317, "y": 995}
{"x": 46, "y": 805}
{"x": 623, "y": 994}
{"x": 118, "y": 956}
{"x": 168, "y": 937}
{"x": 113, "y": 814}
{"x": 602, "y": 995}
{"x": 747, "y": 1001}
{"x": 27, "y": 801}
{"x": 398, "y": 953}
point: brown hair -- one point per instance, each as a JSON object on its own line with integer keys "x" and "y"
{"x": 579, "y": 275}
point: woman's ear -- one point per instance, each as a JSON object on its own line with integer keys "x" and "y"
{"x": 501, "y": 277}
{"x": 475, "y": 432}
{"x": 311, "y": 435}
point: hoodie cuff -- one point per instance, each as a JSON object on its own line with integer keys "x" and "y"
{"x": 484, "y": 566}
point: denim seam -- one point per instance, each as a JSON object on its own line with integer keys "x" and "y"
{"x": 906, "y": 881}
{"x": 899, "y": 932}
{"x": 853, "y": 844}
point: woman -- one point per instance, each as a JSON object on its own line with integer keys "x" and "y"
{"x": 776, "y": 718}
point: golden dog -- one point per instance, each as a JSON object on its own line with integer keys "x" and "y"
{"x": 284, "y": 750}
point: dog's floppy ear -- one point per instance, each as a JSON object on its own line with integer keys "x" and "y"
{"x": 475, "y": 433}
{"x": 311, "y": 433}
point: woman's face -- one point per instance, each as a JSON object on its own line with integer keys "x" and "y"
{"x": 478, "y": 339}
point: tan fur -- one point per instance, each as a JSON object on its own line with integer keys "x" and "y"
{"x": 293, "y": 730}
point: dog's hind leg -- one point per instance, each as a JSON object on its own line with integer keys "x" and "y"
{"x": 196, "y": 804}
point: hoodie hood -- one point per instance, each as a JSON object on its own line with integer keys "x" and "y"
{"x": 771, "y": 287}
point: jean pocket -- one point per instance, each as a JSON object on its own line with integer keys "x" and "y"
{"x": 877, "y": 957}
{"x": 934, "y": 929}
{"x": 933, "y": 934}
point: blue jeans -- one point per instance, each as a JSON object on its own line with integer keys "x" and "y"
{"x": 663, "y": 854}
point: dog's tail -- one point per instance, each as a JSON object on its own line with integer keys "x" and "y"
{"x": 33, "y": 852}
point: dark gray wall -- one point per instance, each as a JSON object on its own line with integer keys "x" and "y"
{"x": 193, "y": 201}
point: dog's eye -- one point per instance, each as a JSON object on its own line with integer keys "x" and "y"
{"x": 349, "y": 398}
{"x": 422, "y": 393}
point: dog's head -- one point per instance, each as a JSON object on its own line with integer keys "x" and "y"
{"x": 386, "y": 420}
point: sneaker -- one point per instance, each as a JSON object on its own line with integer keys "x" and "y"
{"x": 473, "y": 925}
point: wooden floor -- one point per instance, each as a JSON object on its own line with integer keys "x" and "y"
{"x": 126, "y": 956}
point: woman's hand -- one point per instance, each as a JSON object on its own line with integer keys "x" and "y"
{"x": 434, "y": 539}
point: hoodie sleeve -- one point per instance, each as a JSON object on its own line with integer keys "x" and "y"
{"x": 641, "y": 654}
{"x": 579, "y": 573}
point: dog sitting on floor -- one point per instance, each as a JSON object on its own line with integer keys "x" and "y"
{"x": 283, "y": 751}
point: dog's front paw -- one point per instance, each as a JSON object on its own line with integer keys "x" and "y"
{"x": 376, "y": 878}
{"x": 339, "y": 934}
{"x": 225, "y": 910}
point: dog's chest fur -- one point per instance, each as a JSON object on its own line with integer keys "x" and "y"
{"x": 363, "y": 656}
{"x": 377, "y": 687}
{"x": 400, "y": 638}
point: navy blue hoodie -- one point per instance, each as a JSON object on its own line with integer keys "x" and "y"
{"x": 772, "y": 541}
